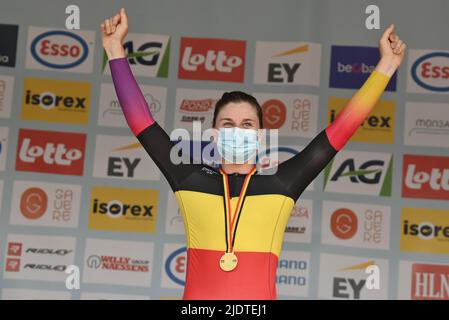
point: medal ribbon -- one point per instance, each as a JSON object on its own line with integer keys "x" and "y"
{"x": 230, "y": 228}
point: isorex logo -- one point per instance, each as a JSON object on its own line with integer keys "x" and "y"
{"x": 50, "y": 152}
{"x": 431, "y": 71}
{"x": 176, "y": 265}
{"x": 425, "y": 177}
{"x": 212, "y": 59}
{"x": 59, "y": 49}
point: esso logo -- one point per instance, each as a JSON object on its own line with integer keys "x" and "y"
{"x": 59, "y": 49}
{"x": 431, "y": 71}
{"x": 176, "y": 266}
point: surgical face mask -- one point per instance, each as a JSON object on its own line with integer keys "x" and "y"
{"x": 237, "y": 145}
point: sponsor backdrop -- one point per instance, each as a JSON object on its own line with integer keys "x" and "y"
{"x": 77, "y": 188}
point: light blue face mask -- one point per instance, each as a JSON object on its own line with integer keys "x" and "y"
{"x": 237, "y": 145}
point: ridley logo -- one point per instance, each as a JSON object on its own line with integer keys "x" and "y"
{"x": 212, "y": 59}
{"x": 426, "y": 177}
{"x": 50, "y": 151}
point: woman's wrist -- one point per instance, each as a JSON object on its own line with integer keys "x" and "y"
{"x": 115, "y": 50}
{"x": 386, "y": 66}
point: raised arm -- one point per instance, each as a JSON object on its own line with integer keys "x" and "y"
{"x": 298, "y": 172}
{"x": 358, "y": 108}
{"x": 152, "y": 137}
{"x": 132, "y": 102}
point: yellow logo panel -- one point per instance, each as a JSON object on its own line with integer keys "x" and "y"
{"x": 425, "y": 230}
{"x": 123, "y": 209}
{"x": 56, "y": 101}
{"x": 378, "y": 126}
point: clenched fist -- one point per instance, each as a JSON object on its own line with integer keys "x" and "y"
{"x": 114, "y": 31}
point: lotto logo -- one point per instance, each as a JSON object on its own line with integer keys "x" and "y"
{"x": 212, "y": 59}
{"x": 50, "y": 152}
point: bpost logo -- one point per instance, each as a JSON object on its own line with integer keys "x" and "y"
{"x": 355, "y": 225}
{"x": 123, "y": 209}
{"x": 295, "y": 63}
{"x": 56, "y": 101}
{"x": 426, "y": 124}
{"x": 425, "y": 230}
{"x": 51, "y": 152}
{"x": 295, "y": 115}
{"x": 351, "y": 66}
{"x": 429, "y": 71}
{"x": 425, "y": 177}
{"x": 60, "y": 50}
{"x": 212, "y": 59}
{"x": 378, "y": 126}
{"x": 430, "y": 282}
{"x": 8, "y": 50}
{"x": 175, "y": 266}
{"x": 359, "y": 172}
{"x": 45, "y": 204}
{"x": 148, "y": 55}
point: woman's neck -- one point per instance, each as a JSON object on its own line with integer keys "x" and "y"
{"x": 242, "y": 168}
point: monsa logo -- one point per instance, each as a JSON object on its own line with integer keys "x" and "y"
{"x": 431, "y": 71}
{"x": 212, "y": 59}
{"x": 59, "y": 49}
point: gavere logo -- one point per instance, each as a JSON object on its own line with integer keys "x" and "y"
{"x": 425, "y": 177}
{"x": 425, "y": 230}
{"x": 295, "y": 115}
{"x": 287, "y": 63}
{"x": 60, "y": 50}
{"x": 38, "y": 203}
{"x": 355, "y": 225}
{"x": 212, "y": 59}
{"x": 51, "y": 152}
{"x": 56, "y": 101}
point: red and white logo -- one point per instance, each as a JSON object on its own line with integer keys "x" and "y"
{"x": 14, "y": 249}
{"x": 212, "y": 59}
{"x": 430, "y": 282}
{"x": 425, "y": 177}
{"x": 50, "y": 152}
{"x": 344, "y": 223}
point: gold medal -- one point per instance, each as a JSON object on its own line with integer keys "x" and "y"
{"x": 228, "y": 261}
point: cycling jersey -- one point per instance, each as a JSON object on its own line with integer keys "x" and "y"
{"x": 269, "y": 200}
